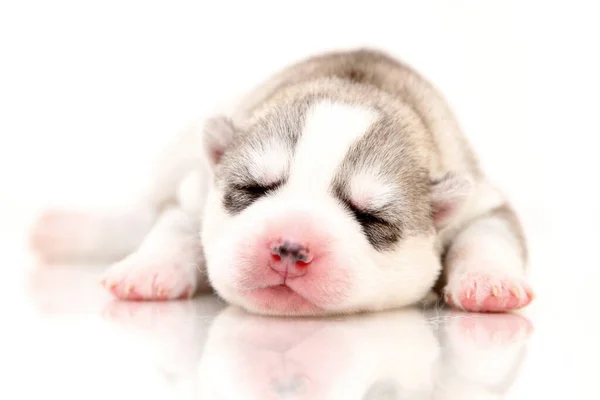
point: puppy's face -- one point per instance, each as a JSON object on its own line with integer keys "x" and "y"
{"x": 318, "y": 208}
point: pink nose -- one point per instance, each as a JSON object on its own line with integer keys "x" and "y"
{"x": 290, "y": 259}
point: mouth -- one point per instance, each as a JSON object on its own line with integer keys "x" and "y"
{"x": 281, "y": 299}
{"x": 284, "y": 290}
{"x": 281, "y": 288}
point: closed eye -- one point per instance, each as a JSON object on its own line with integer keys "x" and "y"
{"x": 238, "y": 197}
{"x": 257, "y": 190}
{"x": 365, "y": 217}
{"x": 381, "y": 231}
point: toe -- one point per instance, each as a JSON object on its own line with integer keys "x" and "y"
{"x": 483, "y": 293}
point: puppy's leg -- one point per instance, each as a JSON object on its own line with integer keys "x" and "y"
{"x": 61, "y": 236}
{"x": 86, "y": 235}
{"x": 485, "y": 264}
{"x": 168, "y": 264}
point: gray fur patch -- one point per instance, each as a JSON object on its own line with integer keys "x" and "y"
{"x": 386, "y": 148}
{"x": 282, "y": 128}
{"x": 415, "y": 139}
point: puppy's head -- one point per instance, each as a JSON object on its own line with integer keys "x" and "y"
{"x": 322, "y": 207}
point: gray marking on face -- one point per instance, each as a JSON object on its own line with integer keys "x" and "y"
{"x": 282, "y": 128}
{"x": 386, "y": 149}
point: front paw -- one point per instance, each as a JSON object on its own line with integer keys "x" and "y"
{"x": 488, "y": 291}
{"x": 140, "y": 277}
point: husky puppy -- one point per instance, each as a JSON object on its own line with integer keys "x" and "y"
{"x": 342, "y": 184}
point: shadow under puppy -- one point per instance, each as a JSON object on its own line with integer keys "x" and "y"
{"x": 341, "y": 184}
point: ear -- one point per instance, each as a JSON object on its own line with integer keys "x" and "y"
{"x": 219, "y": 133}
{"x": 448, "y": 196}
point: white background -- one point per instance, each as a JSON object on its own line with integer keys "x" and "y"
{"x": 89, "y": 91}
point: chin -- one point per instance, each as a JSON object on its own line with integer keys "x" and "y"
{"x": 280, "y": 300}
{"x": 283, "y": 301}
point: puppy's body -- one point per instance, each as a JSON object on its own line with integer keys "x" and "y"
{"x": 341, "y": 184}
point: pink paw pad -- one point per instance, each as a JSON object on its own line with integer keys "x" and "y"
{"x": 125, "y": 290}
{"x": 486, "y": 293}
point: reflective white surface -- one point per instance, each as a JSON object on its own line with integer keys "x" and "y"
{"x": 83, "y": 344}
{"x": 89, "y": 92}
{"x": 64, "y": 336}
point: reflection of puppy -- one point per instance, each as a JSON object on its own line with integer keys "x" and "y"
{"x": 171, "y": 335}
{"x": 249, "y": 357}
{"x": 342, "y": 184}
{"x": 46, "y": 290}
{"x": 383, "y": 356}
{"x": 481, "y": 355}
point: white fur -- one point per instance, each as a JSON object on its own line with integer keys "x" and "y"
{"x": 179, "y": 157}
{"x": 270, "y": 165}
{"x": 493, "y": 242}
{"x": 329, "y": 131}
{"x": 167, "y": 264}
{"x": 405, "y": 274}
{"x": 191, "y": 193}
{"x": 480, "y": 199}
{"x": 369, "y": 190}
{"x": 486, "y": 255}
{"x": 379, "y": 280}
